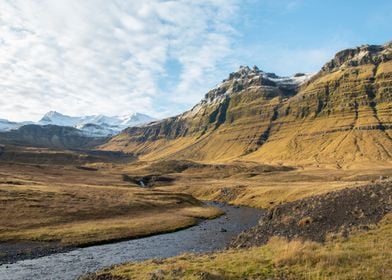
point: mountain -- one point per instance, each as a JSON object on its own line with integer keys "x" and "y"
{"x": 96, "y": 125}
{"x": 91, "y": 126}
{"x": 342, "y": 114}
{"x": 6, "y": 125}
{"x": 56, "y": 118}
{"x": 56, "y": 130}
{"x": 49, "y": 136}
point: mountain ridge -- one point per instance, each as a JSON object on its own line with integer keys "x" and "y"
{"x": 91, "y": 126}
{"x": 96, "y": 125}
{"x": 340, "y": 115}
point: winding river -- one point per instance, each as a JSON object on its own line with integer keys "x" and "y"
{"x": 207, "y": 236}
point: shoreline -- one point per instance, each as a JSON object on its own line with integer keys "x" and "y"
{"x": 29, "y": 250}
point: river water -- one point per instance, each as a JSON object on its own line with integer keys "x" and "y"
{"x": 207, "y": 236}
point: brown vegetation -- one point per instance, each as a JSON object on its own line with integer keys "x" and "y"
{"x": 79, "y": 206}
{"x": 364, "y": 255}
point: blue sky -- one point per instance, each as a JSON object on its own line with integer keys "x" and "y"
{"x": 316, "y": 28}
{"x": 161, "y": 57}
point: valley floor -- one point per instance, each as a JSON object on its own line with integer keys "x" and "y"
{"x": 323, "y": 223}
{"x": 46, "y": 208}
{"x": 51, "y": 205}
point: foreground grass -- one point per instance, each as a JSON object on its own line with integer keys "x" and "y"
{"x": 364, "y": 255}
{"x": 94, "y": 231}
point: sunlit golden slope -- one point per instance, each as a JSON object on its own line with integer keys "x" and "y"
{"x": 340, "y": 115}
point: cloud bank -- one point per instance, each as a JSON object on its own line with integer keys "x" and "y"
{"x": 159, "y": 57}
{"x": 110, "y": 57}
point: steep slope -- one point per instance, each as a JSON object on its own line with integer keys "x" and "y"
{"x": 341, "y": 114}
{"x": 232, "y": 120}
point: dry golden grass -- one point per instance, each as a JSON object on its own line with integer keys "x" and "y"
{"x": 365, "y": 255}
{"x": 266, "y": 189}
{"x": 79, "y": 207}
{"x": 98, "y": 230}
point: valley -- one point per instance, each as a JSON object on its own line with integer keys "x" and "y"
{"x": 60, "y": 202}
{"x": 311, "y": 154}
{"x": 65, "y": 204}
{"x": 315, "y": 152}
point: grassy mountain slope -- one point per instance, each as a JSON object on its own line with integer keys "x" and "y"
{"x": 342, "y": 114}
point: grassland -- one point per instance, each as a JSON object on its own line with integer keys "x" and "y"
{"x": 84, "y": 202}
{"x": 257, "y": 185}
{"x": 364, "y": 255}
{"x": 80, "y": 206}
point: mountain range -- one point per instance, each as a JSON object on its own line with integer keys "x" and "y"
{"x": 90, "y": 126}
{"x": 96, "y": 125}
{"x": 341, "y": 115}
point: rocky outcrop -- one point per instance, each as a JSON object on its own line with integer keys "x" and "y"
{"x": 340, "y": 115}
{"x": 367, "y": 54}
{"x": 315, "y": 217}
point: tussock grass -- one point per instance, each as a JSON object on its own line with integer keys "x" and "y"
{"x": 364, "y": 255}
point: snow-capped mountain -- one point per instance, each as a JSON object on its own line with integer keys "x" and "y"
{"x": 6, "y": 125}
{"x": 93, "y": 126}
{"x": 254, "y": 79}
{"x": 56, "y": 118}
{"x": 96, "y": 125}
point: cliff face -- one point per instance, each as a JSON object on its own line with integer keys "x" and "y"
{"x": 228, "y": 122}
{"x": 342, "y": 114}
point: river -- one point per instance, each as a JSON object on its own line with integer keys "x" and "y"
{"x": 207, "y": 236}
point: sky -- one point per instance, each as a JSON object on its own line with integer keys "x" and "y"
{"x": 160, "y": 57}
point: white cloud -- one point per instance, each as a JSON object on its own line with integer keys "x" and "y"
{"x": 98, "y": 56}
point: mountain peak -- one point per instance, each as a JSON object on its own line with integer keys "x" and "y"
{"x": 365, "y": 54}
{"x": 246, "y": 78}
{"x": 54, "y": 117}
{"x": 244, "y": 72}
{"x": 258, "y": 116}
{"x": 96, "y": 125}
{"x": 51, "y": 114}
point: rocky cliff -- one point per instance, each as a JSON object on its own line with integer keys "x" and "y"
{"x": 341, "y": 114}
